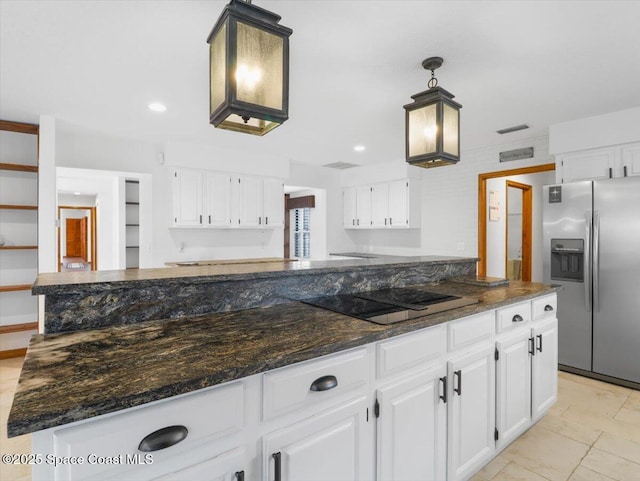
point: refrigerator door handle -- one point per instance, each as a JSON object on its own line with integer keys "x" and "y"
{"x": 596, "y": 261}
{"x": 587, "y": 261}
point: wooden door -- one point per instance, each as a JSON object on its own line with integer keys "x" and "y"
{"x": 74, "y": 240}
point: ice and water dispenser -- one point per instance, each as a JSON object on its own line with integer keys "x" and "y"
{"x": 567, "y": 260}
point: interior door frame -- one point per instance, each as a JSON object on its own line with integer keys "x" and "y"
{"x": 482, "y": 206}
{"x": 94, "y": 234}
{"x": 527, "y": 228}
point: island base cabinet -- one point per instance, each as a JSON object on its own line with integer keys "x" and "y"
{"x": 471, "y": 412}
{"x": 513, "y": 386}
{"x": 544, "y": 367}
{"x": 334, "y": 445}
{"x": 228, "y": 466}
{"x": 412, "y": 428}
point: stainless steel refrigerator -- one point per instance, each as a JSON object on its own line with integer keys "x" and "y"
{"x": 592, "y": 248}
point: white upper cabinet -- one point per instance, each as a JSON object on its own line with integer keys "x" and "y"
{"x": 250, "y": 201}
{"x": 381, "y": 206}
{"x": 631, "y": 159}
{"x": 273, "y": 203}
{"x": 363, "y": 206}
{"x": 217, "y": 200}
{"x": 350, "y": 211}
{"x": 597, "y": 164}
{"x": 214, "y": 199}
{"x": 187, "y": 197}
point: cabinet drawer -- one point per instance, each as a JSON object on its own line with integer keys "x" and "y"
{"x": 416, "y": 348}
{"x": 470, "y": 330}
{"x": 314, "y": 383}
{"x": 544, "y": 307}
{"x": 209, "y": 414}
{"x": 512, "y": 317}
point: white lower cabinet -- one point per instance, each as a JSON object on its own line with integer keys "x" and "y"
{"x": 228, "y": 466}
{"x": 471, "y": 415}
{"x": 426, "y": 405}
{"x": 332, "y": 446}
{"x": 513, "y": 386}
{"x": 544, "y": 367}
{"x": 412, "y": 427}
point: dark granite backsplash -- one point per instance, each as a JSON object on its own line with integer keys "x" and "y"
{"x": 95, "y": 305}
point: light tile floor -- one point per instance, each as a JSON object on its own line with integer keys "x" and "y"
{"x": 591, "y": 434}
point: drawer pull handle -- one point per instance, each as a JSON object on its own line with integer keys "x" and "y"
{"x": 277, "y": 468}
{"x": 539, "y": 336}
{"x": 163, "y": 438}
{"x": 443, "y": 380}
{"x": 459, "y": 388}
{"x": 548, "y": 307}
{"x": 517, "y": 318}
{"x": 239, "y": 475}
{"x": 324, "y": 383}
{"x": 532, "y": 346}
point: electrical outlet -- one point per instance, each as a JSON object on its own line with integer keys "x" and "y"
{"x": 460, "y": 246}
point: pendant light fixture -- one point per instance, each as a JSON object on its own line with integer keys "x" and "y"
{"x": 249, "y": 69}
{"x": 432, "y": 127}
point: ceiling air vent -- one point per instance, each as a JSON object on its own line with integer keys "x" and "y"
{"x": 515, "y": 128}
{"x": 340, "y": 165}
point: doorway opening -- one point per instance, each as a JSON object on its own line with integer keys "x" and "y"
{"x": 519, "y": 206}
{"x": 491, "y": 218}
{"x": 77, "y": 238}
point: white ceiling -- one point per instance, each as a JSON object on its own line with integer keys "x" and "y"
{"x": 354, "y": 64}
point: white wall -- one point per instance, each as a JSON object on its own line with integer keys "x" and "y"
{"x": 599, "y": 131}
{"x": 496, "y": 230}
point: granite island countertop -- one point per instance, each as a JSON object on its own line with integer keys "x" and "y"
{"x": 54, "y": 282}
{"x": 69, "y": 377}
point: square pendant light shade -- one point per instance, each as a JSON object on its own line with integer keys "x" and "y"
{"x": 249, "y": 69}
{"x": 432, "y": 129}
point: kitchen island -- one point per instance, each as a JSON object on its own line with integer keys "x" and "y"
{"x": 274, "y": 391}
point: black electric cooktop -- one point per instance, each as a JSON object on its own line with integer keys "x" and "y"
{"x": 388, "y": 306}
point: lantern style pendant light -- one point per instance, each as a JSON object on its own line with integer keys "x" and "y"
{"x": 432, "y": 128}
{"x": 249, "y": 69}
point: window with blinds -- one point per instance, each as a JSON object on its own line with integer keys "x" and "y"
{"x": 302, "y": 233}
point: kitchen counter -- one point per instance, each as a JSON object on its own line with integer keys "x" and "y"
{"x": 73, "y": 376}
{"x": 215, "y": 262}
{"x": 90, "y": 300}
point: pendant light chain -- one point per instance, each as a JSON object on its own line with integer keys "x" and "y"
{"x": 433, "y": 82}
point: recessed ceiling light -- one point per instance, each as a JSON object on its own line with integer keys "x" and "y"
{"x": 359, "y": 148}
{"x": 157, "y": 107}
{"x": 76, "y": 193}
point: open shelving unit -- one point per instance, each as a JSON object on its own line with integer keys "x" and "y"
{"x": 132, "y": 223}
{"x": 19, "y": 236}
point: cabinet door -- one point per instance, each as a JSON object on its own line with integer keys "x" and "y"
{"x": 187, "y": 197}
{"x": 218, "y": 200}
{"x": 363, "y": 206}
{"x": 544, "y": 370}
{"x": 399, "y": 203}
{"x": 587, "y": 165}
{"x": 631, "y": 159}
{"x": 380, "y": 205}
{"x": 411, "y": 440}
{"x": 332, "y": 446}
{"x": 229, "y": 466}
{"x": 471, "y": 414}
{"x": 349, "y": 199}
{"x": 513, "y": 386}
{"x": 251, "y": 200}
{"x": 273, "y": 203}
